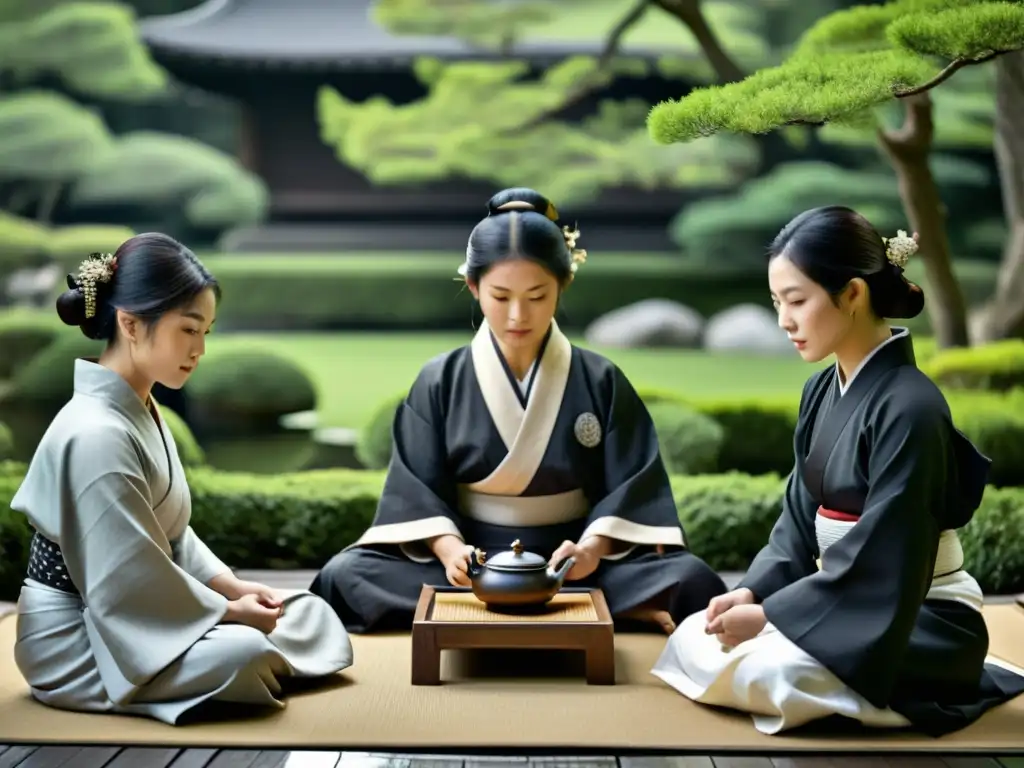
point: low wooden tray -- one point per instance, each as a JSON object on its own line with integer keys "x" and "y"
{"x": 453, "y": 618}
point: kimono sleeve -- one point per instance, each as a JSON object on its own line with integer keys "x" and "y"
{"x": 856, "y": 614}
{"x": 638, "y": 507}
{"x": 419, "y": 499}
{"x": 144, "y": 609}
{"x": 197, "y": 559}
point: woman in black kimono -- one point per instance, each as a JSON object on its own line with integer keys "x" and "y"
{"x": 859, "y": 605}
{"x": 520, "y": 435}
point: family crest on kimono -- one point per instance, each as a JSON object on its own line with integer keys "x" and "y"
{"x": 124, "y": 609}
{"x": 859, "y": 607}
{"x": 520, "y": 435}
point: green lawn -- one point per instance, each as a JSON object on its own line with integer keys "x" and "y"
{"x": 355, "y": 372}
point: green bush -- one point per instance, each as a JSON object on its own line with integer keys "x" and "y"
{"x": 300, "y": 520}
{"x": 47, "y": 381}
{"x": 6, "y": 443}
{"x": 690, "y": 442}
{"x": 757, "y": 433}
{"x": 189, "y": 451}
{"x": 23, "y": 335}
{"x": 997, "y": 366}
{"x": 302, "y": 292}
{"x": 373, "y": 448}
{"x": 995, "y": 424}
{"x": 247, "y": 392}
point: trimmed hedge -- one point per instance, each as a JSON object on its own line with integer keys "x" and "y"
{"x": 278, "y": 292}
{"x": 757, "y": 435}
{"x": 300, "y": 520}
{"x": 998, "y": 366}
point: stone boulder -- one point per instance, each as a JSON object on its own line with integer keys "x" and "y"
{"x": 747, "y": 328}
{"x": 648, "y": 323}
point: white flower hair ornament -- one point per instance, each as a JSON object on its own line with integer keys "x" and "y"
{"x": 98, "y": 268}
{"x": 899, "y": 249}
{"x": 578, "y": 255}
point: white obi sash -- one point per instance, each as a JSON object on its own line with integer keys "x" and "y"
{"x": 949, "y": 580}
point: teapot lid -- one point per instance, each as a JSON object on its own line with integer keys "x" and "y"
{"x": 517, "y": 559}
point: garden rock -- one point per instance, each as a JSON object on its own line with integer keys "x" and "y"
{"x": 747, "y": 328}
{"x": 648, "y": 323}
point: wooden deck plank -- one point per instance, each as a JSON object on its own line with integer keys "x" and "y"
{"x": 971, "y": 762}
{"x": 235, "y": 758}
{"x": 194, "y": 758}
{"x": 144, "y": 757}
{"x": 15, "y": 755}
{"x": 729, "y": 761}
{"x": 313, "y": 759}
{"x": 271, "y": 759}
{"x": 665, "y": 762}
{"x": 53, "y": 757}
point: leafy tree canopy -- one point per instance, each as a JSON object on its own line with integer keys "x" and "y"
{"x": 738, "y": 225}
{"x": 92, "y": 46}
{"x": 479, "y": 122}
{"x": 157, "y": 169}
{"x": 847, "y": 64}
{"x": 47, "y": 137}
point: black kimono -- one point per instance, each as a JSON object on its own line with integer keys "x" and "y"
{"x": 870, "y": 614}
{"x": 477, "y": 455}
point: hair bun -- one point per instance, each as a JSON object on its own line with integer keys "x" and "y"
{"x": 71, "y": 304}
{"x": 521, "y": 199}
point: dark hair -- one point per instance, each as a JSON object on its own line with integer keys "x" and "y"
{"x": 521, "y": 224}
{"x": 834, "y": 244}
{"x": 149, "y": 275}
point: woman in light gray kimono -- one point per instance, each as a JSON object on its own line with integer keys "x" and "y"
{"x": 124, "y": 609}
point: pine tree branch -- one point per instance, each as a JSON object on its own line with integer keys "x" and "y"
{"x": 689, "y": 13}
{"x": 588, "y": 85}
{"x": 947, "y": 72}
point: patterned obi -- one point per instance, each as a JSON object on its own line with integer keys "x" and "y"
{"x": 46, "y": 563}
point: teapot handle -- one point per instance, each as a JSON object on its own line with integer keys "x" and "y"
{"x": 475, "y": 565}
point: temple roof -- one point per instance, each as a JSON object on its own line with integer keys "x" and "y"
{"x": 332, "y": 33}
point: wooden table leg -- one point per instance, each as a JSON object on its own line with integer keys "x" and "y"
{"x": 601, "y": 661}
{"x": 426, "y": 658}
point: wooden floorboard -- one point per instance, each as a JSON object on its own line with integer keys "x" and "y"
{"x": 54, "y": 756}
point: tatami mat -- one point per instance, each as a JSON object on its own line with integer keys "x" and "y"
{"x": 373, "y": 706}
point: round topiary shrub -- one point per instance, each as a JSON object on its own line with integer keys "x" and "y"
{"x": 247, "y": 392}
{"x": 373, "y": 449}
{"x": 690, "y": 442}
{"x": 23, "y": 335}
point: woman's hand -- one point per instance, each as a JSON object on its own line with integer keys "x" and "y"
{"x": 587, "y": 554}
{"x": 723, "y": 603}
{"x": 267, "y": 597}
{"x": 738, "y": 624}
{"x": 234, "y": 588}
{"x": 248, "y": 610}
{"x": 454, "y": 555}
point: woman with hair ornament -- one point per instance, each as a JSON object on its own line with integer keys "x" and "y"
{"x": 521, "y": 435}
{"x": 859, "y": 606}
{"x": 124, "y": 609}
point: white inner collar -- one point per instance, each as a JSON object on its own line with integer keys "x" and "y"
{"x": 898, "y": 333}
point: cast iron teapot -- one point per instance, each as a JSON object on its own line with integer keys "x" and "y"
{"x": 516, "y": 579}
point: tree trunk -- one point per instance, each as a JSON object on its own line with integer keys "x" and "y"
{"x": 909, "y": 148}
{"x": 1004, "y": 315}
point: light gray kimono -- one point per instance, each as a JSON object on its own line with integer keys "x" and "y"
{"x": 115, "y": 615}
